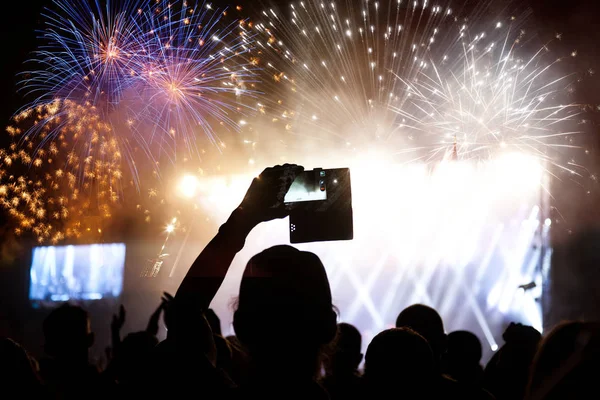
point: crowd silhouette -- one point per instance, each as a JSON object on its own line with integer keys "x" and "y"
{"x": 288, "y": 343}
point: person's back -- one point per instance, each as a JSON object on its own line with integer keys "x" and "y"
{"x": 129, "y": 368}
{"x": 506, "y": 374}
{"x": 185, "y": 362}
{"x": 399, "y": 364}
{"x": 66, "y": 371}
{"x": 427, "y": 322}
{"x": 18, "y": 377}
{"x": 342, "y": 380}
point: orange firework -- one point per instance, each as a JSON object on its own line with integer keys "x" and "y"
{"x": 49, "y": 184}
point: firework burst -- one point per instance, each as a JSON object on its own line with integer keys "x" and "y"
{"x": 415, "y": 79}
{"x": 45, "y": 186}
{"x": 163, "y": 74}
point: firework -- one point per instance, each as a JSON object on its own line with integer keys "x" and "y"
{"x": 413, "y": 79}
{"x": 44, "y": 185}
{"x": 161, "y": 73}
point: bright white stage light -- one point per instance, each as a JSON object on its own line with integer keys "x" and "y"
{"x": 457, "y": 236}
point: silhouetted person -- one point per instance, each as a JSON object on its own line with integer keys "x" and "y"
{"x": 462, "y": 360}
{"x": 67, "y": 371}
{"x": 427, "y": 322}
{"x": 186, "y": 362}
{"x": 284, "y": 314}
{"x": 567, "y": 364}
{"x": 129, "y": 368}
{"x": 18, "y": 375}
{"x": 506, "y": 374}
{"x": 399, "y": 363}
{"x": 284, "y": 317}
{"x": 342, "y": 380}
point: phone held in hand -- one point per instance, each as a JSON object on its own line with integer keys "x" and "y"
{"x": 320, "y": 206}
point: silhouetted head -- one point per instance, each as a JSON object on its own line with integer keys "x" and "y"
{"x": 426, "y": 322}
{"x": 462, "y": 358}
{"x": 133, "y": 355}
{"x": 344, "y": 354}
{"x": 68, "y": 334}
{"x": 464, "y": 347}
{"x": 399, "y": 360}
{"x": 214, "y": 321}
{"x": 284, "y": 307}
{"x": 17, "y": 369}
{"x": 567, "y": 364}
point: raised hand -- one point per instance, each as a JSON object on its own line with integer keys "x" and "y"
{"x": 264, "y": 199}
{"x": 152, "y": 327}
{"x": 115, "y": 328}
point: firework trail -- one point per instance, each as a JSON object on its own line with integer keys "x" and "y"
{"x": 415, "y": 79}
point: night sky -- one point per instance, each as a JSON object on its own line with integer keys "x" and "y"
{"x": 578, "y": 20}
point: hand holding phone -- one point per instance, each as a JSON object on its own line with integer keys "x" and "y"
{"x": 264, "y": 199}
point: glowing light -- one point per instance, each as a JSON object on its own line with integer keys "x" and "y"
{"x": 146, "y": 59}
{"x": 453, "y": 218}
{"x": 188, "y": 186}
{"x": 467, "y": 94}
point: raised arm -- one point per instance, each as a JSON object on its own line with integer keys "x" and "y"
{"x": 263, "y": 202}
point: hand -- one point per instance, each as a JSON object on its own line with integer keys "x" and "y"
{"x": 152, "y": 327}
{"x": 118, "y": 320}
{"x": 115, "y": 329}
{"x": 264, "y": 199}
{"x": 167, "y": 302}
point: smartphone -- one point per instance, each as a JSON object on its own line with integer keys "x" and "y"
{"x": 320, "y": 206}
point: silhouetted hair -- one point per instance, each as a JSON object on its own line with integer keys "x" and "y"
{"x": 426, "y": 322}
{"x": 283, "y": 287}
{"x": 464, "y": 346}
{"x": 348, "y": 338}
{"x": 214, "y": 321}
{"x": 399, "y": 358}
{"x": 343, "y": 353}
{"x": 285, "y": 300}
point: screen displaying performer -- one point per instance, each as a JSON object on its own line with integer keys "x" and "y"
{"x": 78, "y": 272}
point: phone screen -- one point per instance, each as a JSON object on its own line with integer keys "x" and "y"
{"x": 308, "y": 186}
{"x": 320, "y": 206}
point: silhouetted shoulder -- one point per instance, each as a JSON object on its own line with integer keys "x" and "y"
{"x": 310, "y": 390}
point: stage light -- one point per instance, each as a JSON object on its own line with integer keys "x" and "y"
{"x": 457, "y": 236}
{"x": 188, "y": 186}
